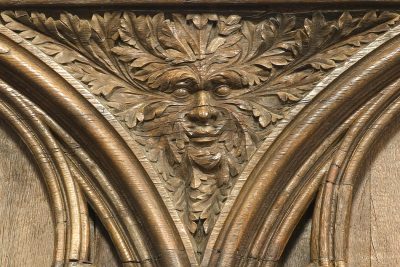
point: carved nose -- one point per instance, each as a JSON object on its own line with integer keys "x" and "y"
{"x": 203, "y": 111}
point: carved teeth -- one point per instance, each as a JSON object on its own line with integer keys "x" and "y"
{"x": 205, "y": 139}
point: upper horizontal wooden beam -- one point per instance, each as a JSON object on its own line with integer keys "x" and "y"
{"x": 292, "y": 4}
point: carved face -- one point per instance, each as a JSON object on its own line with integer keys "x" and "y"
{"x": 204, "y": 121}
{"x": 198, "y": 123}
{"x": 203, "y": 115}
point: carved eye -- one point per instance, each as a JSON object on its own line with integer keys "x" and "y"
{"x": 181, "y": 92}
{"x": 222, "y": 91}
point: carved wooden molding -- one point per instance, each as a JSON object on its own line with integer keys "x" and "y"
{"x": 199, "y": 139}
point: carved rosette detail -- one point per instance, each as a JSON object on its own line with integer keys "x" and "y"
{"x": 199, "y": 92}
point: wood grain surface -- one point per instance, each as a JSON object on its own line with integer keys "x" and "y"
{"x": 26, "y": 228}
{"x": 105, "y": 254}
{"x": 297, "y": 252}
{"x": 374, "y": 231}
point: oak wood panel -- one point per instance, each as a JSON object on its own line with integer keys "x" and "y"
{"x": 374, "y": 231}
{"x": 26, "y": 228}
{"x": 297, "y": 252}
{"x": 105, "y": 254}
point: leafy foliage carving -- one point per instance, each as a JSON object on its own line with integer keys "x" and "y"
{"x": 199, "y": 92}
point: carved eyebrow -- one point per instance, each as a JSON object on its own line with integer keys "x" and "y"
{"x": 220, "y": 79}
{"x": 188, "y": 82}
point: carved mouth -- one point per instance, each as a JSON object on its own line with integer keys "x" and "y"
{"x": 204, "y": 134}
{"x": 204, "y": 139}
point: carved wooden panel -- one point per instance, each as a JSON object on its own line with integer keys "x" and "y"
{"x": 201, "y": 136}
